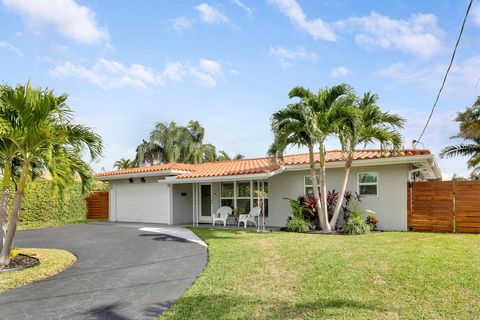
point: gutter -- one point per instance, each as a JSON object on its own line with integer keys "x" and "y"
{"x": 161, "y": 173}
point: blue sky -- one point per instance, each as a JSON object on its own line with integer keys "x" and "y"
{"x": 230, "y": 64}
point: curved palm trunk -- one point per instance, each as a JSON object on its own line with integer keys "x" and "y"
{"x": 7, "y": 172}
{"x": 336, "y": 213}
{"x": 323, "y": 189}
{"x": 313, "y": 176}
{"x": 14, "y": 216}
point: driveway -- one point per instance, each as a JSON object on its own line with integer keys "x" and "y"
{"x": 123, "y": 271}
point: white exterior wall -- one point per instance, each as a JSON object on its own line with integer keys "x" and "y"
{"x": 390, "y": 205}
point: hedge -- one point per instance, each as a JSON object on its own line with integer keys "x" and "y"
{"x": 42, "y": 203}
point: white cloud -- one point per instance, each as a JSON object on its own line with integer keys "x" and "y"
{"x": 419, "y": 34}
{"x": 110, "y": 74}
{"x": 462, "y": 79}
{"x": 242, "y": 5}
{"x": 316, "y": 28}
{"x": 181, "y": 23}
{"x": 234, "y": 72}
{"x": 287, "y": 57}
{"x": 340, "y": 71}
{"x": 69, "y": 18}
{"x": 11, "y": 47}
{"x": 211, "y": 14}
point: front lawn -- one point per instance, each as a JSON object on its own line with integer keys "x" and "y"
{"x": 305, "y": 276}
{"x": 52, "y": 261}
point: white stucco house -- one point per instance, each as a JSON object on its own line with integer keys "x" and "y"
{"x": 179, "y": 193}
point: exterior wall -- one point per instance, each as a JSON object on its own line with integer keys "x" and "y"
{"x": 182, "y": 203}
{"x": 390, "y": 205}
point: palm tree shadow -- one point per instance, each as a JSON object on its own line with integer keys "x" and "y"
{"x": 106, "y": 312}
{"x": 163, "y": 237}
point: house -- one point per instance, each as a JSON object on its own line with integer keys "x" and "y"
{"x": 178, "y": 193}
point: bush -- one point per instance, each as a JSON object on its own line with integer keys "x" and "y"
{"x": 42, "y": 203}
{"x": 372, "y": 221}
{"x": 14, "y": 252}
{"x": 355, "y": 224}
{"x": 297, "y": 225}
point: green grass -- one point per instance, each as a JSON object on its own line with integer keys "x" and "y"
{"x": 52, "y": 261}
{"x": 310, "y": 276}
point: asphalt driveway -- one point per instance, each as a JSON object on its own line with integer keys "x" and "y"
{"x": 121, "y": 273}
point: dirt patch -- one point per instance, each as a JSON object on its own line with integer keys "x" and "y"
{"x": 19, "y": 262}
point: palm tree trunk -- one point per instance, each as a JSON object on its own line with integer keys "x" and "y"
{"x": 336, "y": 213}
{"x": 323, "y": 189}
{"x": 313, "y": 175}
{"x": 7, "y": 172}
{"x": 14, "y": 216}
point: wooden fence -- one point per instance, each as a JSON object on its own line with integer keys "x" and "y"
{"x": 97, "y": 205}
{"x": 448, "y": 206}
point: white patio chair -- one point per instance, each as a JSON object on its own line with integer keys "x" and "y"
{"x": 245, "y": 218}
{"x": 221, "y": 215}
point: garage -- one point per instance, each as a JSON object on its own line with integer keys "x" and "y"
{"x": 146, "y": 202}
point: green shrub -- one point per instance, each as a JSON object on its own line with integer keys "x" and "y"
{"x": 355, "y": 224}
{"x": 14, "y": 252}
{"x": 297, "y": 225}
{"x": 41, "y": 202}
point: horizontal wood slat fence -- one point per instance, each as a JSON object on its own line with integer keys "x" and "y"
{"x": 97, "y": 205}
{"x": 448, "y": 206}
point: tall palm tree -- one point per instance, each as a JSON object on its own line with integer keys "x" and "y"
{"x": 209, "y": 152}
{"x": 369, "y": 125}
{"x": 45, "y": 137}
{"x": 330, "y": 107}
{"x": 469, "y": 125}
{"x": 291, "y": 126}
{"x": 123, "y": 163}
{"x": 147, "y": 153}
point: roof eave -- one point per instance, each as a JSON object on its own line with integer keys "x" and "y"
{"x": 158, "y": 173}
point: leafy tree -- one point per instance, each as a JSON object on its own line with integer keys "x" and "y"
{"x": 291, "y": 126}
{"x": 147, "y": 153}
{"x": 123, "y": 163}
{"x": 238, "y": 156}
{"x": 39, "y": 123}
{"x": 369, "y": 124}
{"x": 223, "y": 156}
{"x": 469, "y": 133}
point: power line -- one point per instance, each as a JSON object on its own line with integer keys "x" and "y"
{"x": 446, "y": 73}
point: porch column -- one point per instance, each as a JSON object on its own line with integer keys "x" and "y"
{"x": 195, "y": 201}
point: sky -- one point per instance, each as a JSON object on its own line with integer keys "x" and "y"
{"x": 230, "y": 64}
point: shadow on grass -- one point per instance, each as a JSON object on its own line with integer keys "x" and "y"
{"x": 242, "y": 307}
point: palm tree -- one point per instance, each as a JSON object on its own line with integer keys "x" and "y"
{"x": 291, "y": 126}
{"x": 329, "y": 108}
{"x": 45, "y": 137}
{"x": 223, "y": 156}
{"x": 147, "y": 153}
{"x": 123, "y": 164}
{"x": 238, "y": 156}
{"x": 469, "y": 121}
{"x": 370, "y": 125}
{"x": 209, "y": 153}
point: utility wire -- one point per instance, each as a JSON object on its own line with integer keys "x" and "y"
{"x": 446, "y": 73}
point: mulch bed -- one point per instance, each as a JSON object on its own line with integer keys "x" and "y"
{"x": 20, "y": 262}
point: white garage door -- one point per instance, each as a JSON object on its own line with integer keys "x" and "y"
{"x": 149, "y": 202}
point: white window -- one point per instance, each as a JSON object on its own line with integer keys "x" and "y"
{"x": 368, "y": 184}
{"x": 308, "y": 183}
{"x": 243, "y": 195}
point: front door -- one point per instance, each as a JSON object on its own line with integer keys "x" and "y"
{"x": 205, "y": 203}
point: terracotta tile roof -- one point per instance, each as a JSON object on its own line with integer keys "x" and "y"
{"x": 159, "y": 167}
{"x": 257, "y": 165}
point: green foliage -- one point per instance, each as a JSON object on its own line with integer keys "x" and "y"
{"x": 43, "y": 203}
{"x": 298, "y": 211}
{"x": 297, "y": 225}
{"x": 355, "y": 224}
{"x": 14, "y": 252}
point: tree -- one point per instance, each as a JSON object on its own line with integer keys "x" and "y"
{"x": 46, "y": 138}
{"x": 329, "y": 108}
{"x": 292, "y": 126}
{"x": 238, "y": 156}
{"x": 223, "y": 156}
{"x": 147, "y": 153}
{"x": 469, "y": 125}
{"x": 368, "y": 125}
{"x": 123, "y": 164}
